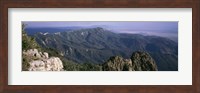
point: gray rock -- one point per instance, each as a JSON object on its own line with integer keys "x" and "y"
{"x": 42, "y": 62}
{"x": 51, "y": 64}
{"x": 140, "y": 61}
{"x": 32, "y": 53}
{"x": 117, "y": 63}
{"x": 46, "y": 55}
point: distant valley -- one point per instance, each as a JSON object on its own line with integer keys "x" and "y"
{"x": 96, "y": 45}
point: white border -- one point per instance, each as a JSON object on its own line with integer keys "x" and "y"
{"x": 181, "y": 77}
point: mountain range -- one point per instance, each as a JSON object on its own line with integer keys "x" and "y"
{"x": 96, "y": 45}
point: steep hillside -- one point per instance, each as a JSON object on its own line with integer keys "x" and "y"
{"x": 96, "y": 45}
{"x": 37, "y": 58}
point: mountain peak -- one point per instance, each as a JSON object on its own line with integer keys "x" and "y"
{"x": 99, "y": 28}
{"x": 96, "y": 29}
{"x": 99, "y": 31}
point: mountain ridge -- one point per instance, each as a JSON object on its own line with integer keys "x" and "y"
{"x": 97, "y": 45}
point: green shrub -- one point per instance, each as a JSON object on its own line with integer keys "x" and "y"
{"x": 25, "y": 63}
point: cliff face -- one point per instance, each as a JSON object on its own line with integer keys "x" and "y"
{"x": 40, "y": 61}
{"x": 139, "y": 61}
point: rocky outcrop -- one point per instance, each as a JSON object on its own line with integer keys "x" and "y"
{"x": 139, "y": 61}
{"x": 35, "y": 53}
{"x": 142, "y": 61}
{"x": 40, "y": 61}
{"x": 117, "y": 63}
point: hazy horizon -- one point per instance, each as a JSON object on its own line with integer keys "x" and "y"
{"x": 165, "y": 29}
